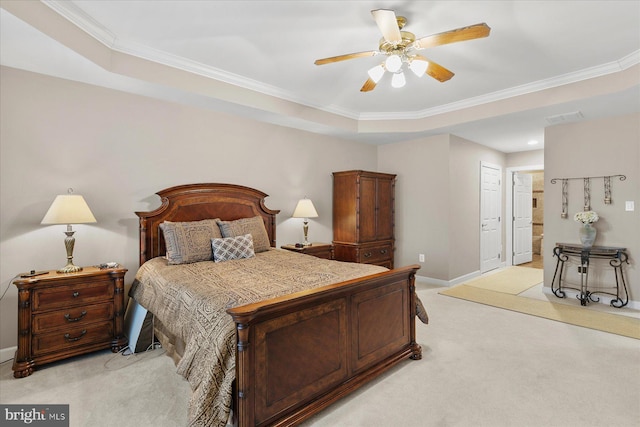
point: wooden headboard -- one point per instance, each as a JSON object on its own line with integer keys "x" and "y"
{"x": 194, "y": 202}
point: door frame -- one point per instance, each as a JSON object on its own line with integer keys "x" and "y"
{"x": 509, "y": 207}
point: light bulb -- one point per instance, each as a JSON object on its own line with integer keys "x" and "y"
{"x": 376, "y": 73}
{"x": 393, "y": 63}
{"x": 419, "y": 67}
{"x": 398, "y": 80}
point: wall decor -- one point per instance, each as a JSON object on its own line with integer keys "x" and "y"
{"x": 586, "y": 183}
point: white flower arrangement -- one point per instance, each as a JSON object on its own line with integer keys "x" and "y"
{"x": 586, "y": 217}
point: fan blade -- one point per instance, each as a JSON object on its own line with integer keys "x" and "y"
{"x": 388, "y": 24}
{"x": 345, "y": 57}
{"x": 436, "y": 71}
{"x": 369, "y": 85}
{"x": 461, "y": 34}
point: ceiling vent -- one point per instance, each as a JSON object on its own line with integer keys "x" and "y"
{"x": 565, "y": 118}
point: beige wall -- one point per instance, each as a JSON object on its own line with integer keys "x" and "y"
{"x": 438, "y": 203}
{"x": 593, "y": 149}
{"x": 117, "y": 150}
{"x": 525, "y": 158}
{"x": 422, "y": 200}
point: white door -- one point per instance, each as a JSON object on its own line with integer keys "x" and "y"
{"x": 490, "y": 208}
{"x": 522, "y": 218}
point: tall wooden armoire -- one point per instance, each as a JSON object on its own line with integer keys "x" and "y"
{"x": 363, "y": 217}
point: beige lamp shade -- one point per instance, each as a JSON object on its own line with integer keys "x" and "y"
{"x": 305, "y": 209}
{"x": 68, "y": 209}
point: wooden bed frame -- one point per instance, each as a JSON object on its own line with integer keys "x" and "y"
{"x": 299, "y": 353}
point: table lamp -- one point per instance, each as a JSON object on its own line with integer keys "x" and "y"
{"x": 69, "y": 209}
{"x": 305, "y": 209}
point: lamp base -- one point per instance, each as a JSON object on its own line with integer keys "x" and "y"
{"x": 70, "y": 268}
{"x": 69, "y": 242}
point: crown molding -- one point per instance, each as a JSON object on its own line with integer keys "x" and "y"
{"x": 85, "y": 22}
{"x": 537, "y": 86}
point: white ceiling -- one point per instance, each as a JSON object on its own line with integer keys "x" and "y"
{"x": 255, "y": 58}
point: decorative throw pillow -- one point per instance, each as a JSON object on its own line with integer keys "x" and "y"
{"x": 188, "y": 242}
{"x": 253, "y": 226}
{"x": 228, "y": 248}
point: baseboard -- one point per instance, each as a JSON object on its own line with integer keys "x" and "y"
{"x": 7, "y": 353}
{"x": 447, "y": 283}
{"x": 604, "y": 299}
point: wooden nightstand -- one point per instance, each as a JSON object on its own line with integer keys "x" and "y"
{"x": 319, "y": 250}
{"x": 66, "y": 314}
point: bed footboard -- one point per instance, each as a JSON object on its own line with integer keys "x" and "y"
{"x": 300, "y": 353}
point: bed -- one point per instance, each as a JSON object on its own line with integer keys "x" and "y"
{"x": 281, "y": 350}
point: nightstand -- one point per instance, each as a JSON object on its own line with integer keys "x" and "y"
{"x": 319, "y": 250}
{"x": 66, "y": 314}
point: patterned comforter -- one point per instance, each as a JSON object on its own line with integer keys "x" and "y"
{"x": 190, "y": 300}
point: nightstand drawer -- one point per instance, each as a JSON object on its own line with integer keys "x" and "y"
{"x": 65, "y": 296}
{"x": 72, "y": 337}
{"x": 72, "y": 317}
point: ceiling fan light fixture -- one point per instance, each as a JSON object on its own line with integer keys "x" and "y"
{"x": 393, "y": 63}
{"x": 398, "y": 80}
{"x": 419, "y": 67}
{"x": 376, "y": 73}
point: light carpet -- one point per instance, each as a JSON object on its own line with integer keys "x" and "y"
{"x": 481, "y": 366}
{"x": 512, "y": 280}
{"x": 579, "y": 316}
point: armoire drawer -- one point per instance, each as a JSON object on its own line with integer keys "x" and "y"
{"x": 375, "y": 254}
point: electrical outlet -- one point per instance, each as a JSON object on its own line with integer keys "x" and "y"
{"x": 421, "y": 257}
{"x": 582, "y": 270}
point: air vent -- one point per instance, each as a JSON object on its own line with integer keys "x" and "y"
{"x": 565, "y": 118}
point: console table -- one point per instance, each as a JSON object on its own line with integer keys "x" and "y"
{"x": 616, "y": 256}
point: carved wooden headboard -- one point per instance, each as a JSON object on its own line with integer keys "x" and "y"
{"x": 194, "y": 202}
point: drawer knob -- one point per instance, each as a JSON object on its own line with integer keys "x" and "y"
{"x": 367, "y": 254}
{"x": 75, "y": 319}
{"x": 69, "y": 339}
{"x": 76, "y": 294}
{"x": 383, "y": 251}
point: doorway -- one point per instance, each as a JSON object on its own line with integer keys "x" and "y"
{"x": 536, "y": 217}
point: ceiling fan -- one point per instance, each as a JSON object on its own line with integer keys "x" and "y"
{"x": 400, "y": 47}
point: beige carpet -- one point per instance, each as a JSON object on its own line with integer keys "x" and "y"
{"x": 512, "y": 280}
{"x": 579, "y": 316}
{"x": 482, "y": 366}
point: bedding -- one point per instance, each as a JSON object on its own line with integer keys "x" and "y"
{"x": 190, "y": 302}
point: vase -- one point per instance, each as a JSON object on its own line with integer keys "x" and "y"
{"x": 587, "y": 235}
